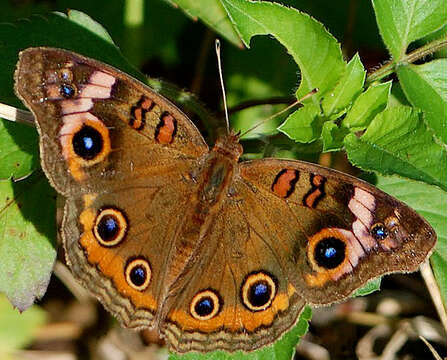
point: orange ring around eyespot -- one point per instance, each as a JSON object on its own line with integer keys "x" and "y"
{"x": 71, "y": 125}
{"x": 323, "y": 275}
{"x": 315, "y": 239}
{"x": 132, "y": 265}
{"x": 252, "y": 279}
{"x": 104, "y": 132}
{"x": 122, "y": 223}
{"x": 203, "y": 294}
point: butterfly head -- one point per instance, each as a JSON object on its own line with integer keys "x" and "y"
{"x": 229, "y": 146}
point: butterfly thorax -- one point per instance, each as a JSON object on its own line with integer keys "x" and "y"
{"x": 216, "y": 175}
{"x": 228, "y": 145}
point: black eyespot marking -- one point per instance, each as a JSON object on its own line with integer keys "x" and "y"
{"x": 258, "y": 291}
{"x": 330, "y": 252}
{"x": 67, "y": 91}
{"x": 110, "y": 226}
{"x": 379, "y": 231}
{"x": 205, "y": 305}
{"x": 138, "y": 273}
{"x": 87, "y": 143}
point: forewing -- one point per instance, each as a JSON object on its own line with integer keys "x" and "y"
{"x": 98, "y": 125}
{"x": 336, "y": 231}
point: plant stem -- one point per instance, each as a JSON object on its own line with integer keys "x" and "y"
{"x": 426, "y": 50}
{"x": 11, "y": 113}
{"x": 434, "y": 291}
{"x": 415, "y": 55}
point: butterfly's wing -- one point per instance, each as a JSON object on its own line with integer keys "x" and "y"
{"x": 118, "y": 244}
{"x": 98, "y": 125}
{"x": 340, "y": 231}
{"x": 290, "y": 233}
{"x": 123, "y": 156}
{"x": 238, "y": 296}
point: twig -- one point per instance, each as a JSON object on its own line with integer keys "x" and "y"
{"x": 59, "y": 331}
{"x": 397, "y": 341}
{"x": 47, "y": 355}
{"x": 65, "y": 276}
{"x": 367, "y": 319}
{"x": 431, "y": 348}
{"x": 312, "y": 351}
{"x": 13, "y": 114}
{"x": 365, "y": 346}
{"x": 435, "y": 294}
{"x": 415, "y": 55}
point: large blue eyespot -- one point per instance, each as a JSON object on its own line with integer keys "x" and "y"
{"x": 258, "y": 291}
{"x": 87, "y": 143}
{"x": 138, "y": 273}
{"x": 330, "y": 252}
{"x": 110, "y": 226}
{"x": 205, "y": 305}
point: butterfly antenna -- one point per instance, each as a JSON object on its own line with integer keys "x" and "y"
{"x": 219, "y": 65}
{"x": 299, "y": 101}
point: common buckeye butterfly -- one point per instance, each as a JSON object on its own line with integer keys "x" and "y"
{"x": 168, "y": 234}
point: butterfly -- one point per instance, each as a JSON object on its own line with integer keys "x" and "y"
{"x": 172, "y": 235}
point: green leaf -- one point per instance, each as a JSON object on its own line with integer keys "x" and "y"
{"x": 25, "y": 229}
{"x": 212, "y": 13}
{"x": 399, "y": 142}
{"x": 367, "y": 106}
{"x": 440, "y": 34}
{"x": 303, "y": 125}
{"x": 316, "y": 52}
{"x": 397, "y": 96}
{"x": 370, "y": 287}
{"x": 283, "y": 349}
{"x": 88, "y": 23}
{"x": 426, "y": 88}
{"x": 18, "y": 150}
{"x": 404, "y": 21}
{"x": 274, "y": 78}
{"x": 431, "y": 202}
{"x": 17, "y": 329}
{"x": 347, "y": 89}
{"x": 333, "y": 136}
